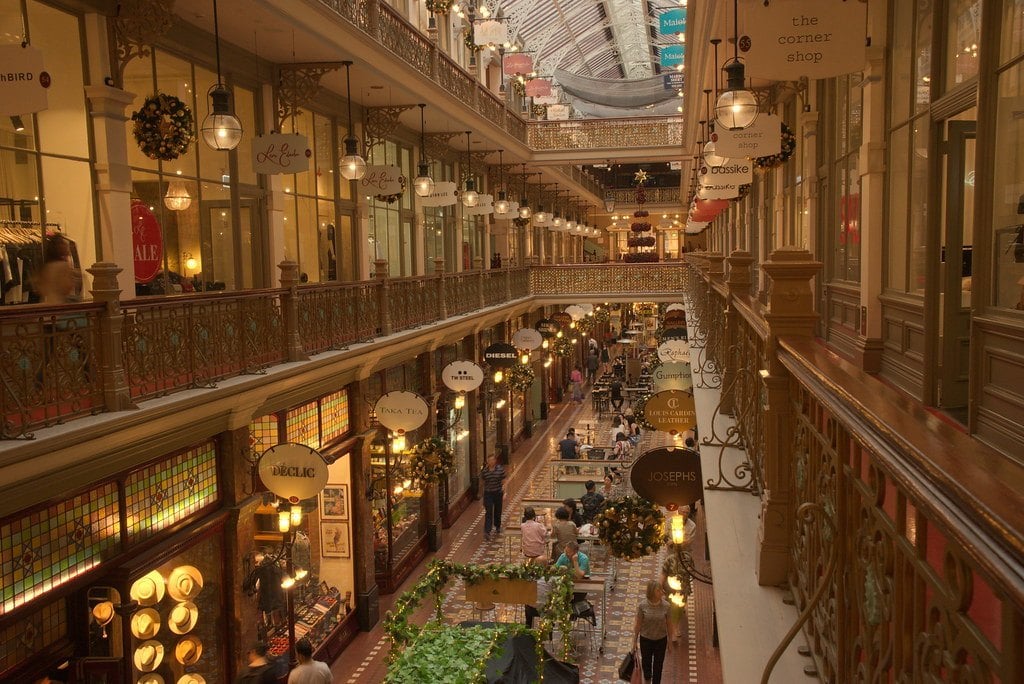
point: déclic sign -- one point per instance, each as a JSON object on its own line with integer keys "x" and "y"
{"x": 293, "y": 471}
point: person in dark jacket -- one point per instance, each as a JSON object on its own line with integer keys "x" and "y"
{"x": 260, "y": 670}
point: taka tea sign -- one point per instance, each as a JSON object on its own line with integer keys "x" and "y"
{"x": 401, "y": 411}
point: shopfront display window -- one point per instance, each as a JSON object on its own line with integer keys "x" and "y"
{"x": 846, "y": 208}
{"x": 1008, "y": 189}
{"x": 391, "y": 222}
{"x": 399, "y": 527}
{"x": 963, "y": 39}
{"x": 439, "y": 225}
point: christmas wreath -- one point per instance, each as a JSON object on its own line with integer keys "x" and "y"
{"x": 788, "y": 148}
{"x": 638, "y": 410}
{"x": 585, "y": 324}
{"x": 520, "y": 376}
{"x": 164, "y": 127}
{"x": 563, "y": 346}
{"x": 431, "y": 461}
{"x": 641, "y": 258}
{"x": 470, "y": 41}
{"x": 518, "y": 86}
{"x": 519, "y": 222}
{"x": 647, "y": 241}
{"x": 631, "y": 527}
{"x": 602, "y": 315}
{"x": 439, "y": 6}
{"x": 640, "y": 227}
{"x": 391, "y": 199}
{"x": 641, "y": 213}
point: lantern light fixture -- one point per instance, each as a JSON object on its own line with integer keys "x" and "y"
{"x": 423, "y": 184}
{"x": 470, "y": 198}
{"x": 501, "y": 205}
{"x": 221, "y": 129}
{"x": 353, "y": 166}
{"x": 736, "y": 108}
{"x": 524, "y": 204}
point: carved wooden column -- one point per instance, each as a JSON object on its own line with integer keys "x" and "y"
{"x": 290, "y": 311}
{"x": 442, "y": 299}
{"x": 114, "y": 380}
{"x": 737, "y": 285}
{"x": 790, "y": 313}
{"x": 431, "y": 493}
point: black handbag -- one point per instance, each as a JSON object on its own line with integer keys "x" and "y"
{"x": 627, "y": 666}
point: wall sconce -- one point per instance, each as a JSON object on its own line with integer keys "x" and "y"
{"x": 460, "y": 401}
{"x": 397, "y": 443}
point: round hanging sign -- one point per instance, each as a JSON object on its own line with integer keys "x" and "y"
{"x": 587, "y": 308}
{"x": 668, "y": 476}
{"x": 527, "y": 338}
{"x": 562, "y": 319}
{"x": 401, "y": 411}
{"x": 547, "y": 327}
{"x": 462, "y": 376}
{"x": 674, "y": 350}
{"x": 672, "y": 376}
{"x": 671, "y": 410}
{"x": 293, "y": 471}
{"x": 501, "y": 355}
{"x": 575, "y": 312}
{"x": 147, "y": 242}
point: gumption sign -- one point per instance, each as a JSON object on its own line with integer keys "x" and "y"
{"x": 789, "y": 39}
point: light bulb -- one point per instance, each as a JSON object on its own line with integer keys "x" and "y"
{"x": 711, "y": 155}
{"x": 296, "y": 515}
{"x": 470, "y": 198}
{"x": 524, "y": 210}
{"x": 407, "y": 483}
{"x": 301, "y": 574}
{"x": 525, "y": 358}
{"x": 498, "y": 376}
{"x": 288, "y": 582}
{"x": 547, "y": 363}
{"x": 424, "y": 185}
{"x": 677, "y": 600}
{"x": 500, "y": 404}
{"x": 559, "y": 334}
{"x": 460, "y": 400}
{"x": 398, "y": 443}
{"x": 191, "y": 263}
{"x": 501, "y": 206}
{"x": 353, "y": 167}
{"x": 675, "y": 583}
{"x": 284, "y": 522}
{"x": 544, "y": 344}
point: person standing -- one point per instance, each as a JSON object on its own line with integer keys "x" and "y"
{"x": 534, "y": 535}
{"x": 309, "y": 671}
{"x": 592, "y": 364}
{"x": 260, "y": 670}
{"x": 576, "y": 378}
{"x": 615, "y": 393}
{"x": 653, "y": 629}
{"x": 492, "y": 480}
{"x": 568, "y": 449}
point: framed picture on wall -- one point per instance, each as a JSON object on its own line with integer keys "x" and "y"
{"x": 334, "y": 541}
{"x": 334, "y": 502}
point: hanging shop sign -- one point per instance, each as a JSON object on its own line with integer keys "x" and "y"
{"x": 545, "y": 99}
{"x": 668, "y": 476}
{"x": 401, "y": 411}
{"x": 294, "y": 472}
{"x": 517, "y": 64}
{"x": 759, "y": 139}
{"x": 538, "y": 87}
{"x": 501, "y": 355}
{"x": 672, "y": 376}
{"x": 671, "y": 55}
{"x": 672, "y": 411}
{"x": 558, "y": 112}
{"x": 672, "y": 22}
{"x": 527, "y": 338}
{"x": 562, "y": 319}
{"x": 276, "y": 153}
{"x": 695, "y": 228}
{"x": 445, "y": 194}
{"x": 382, "y": 180}
{"x": 23, "y": 81}
{"x": 723, "y": 182}
{"x": 462, "y": 376}
{"x": 489, "y": 32}
{"x": 547, "y": 327}
{"x": 674, "y": 351}
{"x": 673, "y": 333}
{"x": 674, "y": 80}
{"x": 484, "y": 206}
{"x": 793, "y": 39}
{"x": 147, "y": 242}
{"x": 575, "y": 311}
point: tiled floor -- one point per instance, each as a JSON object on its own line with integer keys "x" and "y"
{"x": 693, "y": 659}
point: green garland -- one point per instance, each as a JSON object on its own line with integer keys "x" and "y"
{"x": 391, "y": 199}
{"x": 469, "y": 40}
{"x": 520, "y": 376}
{"x": 788, "y": 148}
{"x": 164, "y": 127}
{"x": 439, "y": 6}
{"x": 602, "y": 315}
{"x": 431, "y": 461}
{"x": 405, "y": 637}
{"x": 631, "y": 527}
{"x": 563, "y": 346}
{"x": 638, "y": 411}
{"x": 584, "y": 325}
{"x": 517, "y": 86}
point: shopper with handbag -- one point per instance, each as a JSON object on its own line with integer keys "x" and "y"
{"x": 653, "y": 629}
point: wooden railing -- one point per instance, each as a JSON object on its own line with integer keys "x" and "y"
{"x": 901, "y": 537}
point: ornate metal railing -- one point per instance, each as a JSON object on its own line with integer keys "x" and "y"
{"x": 599, "y": 279}
{"x": 403, "y": 39}
{"x": 494, "y": 287}
{"x": 49, "y": 368}
{"x": 627, "y": 196}
{"x": 606, "y": 133}
{"x": 412, "y": 302}
{"x": 333, "y": 317}
{"x": 461, "y": 293}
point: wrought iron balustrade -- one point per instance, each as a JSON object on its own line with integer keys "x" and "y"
{"x": 335, "y": 316}
{"x": 611, "y": 279}
{"x": 627, "y": 196}
{"x": 606, "y": 133}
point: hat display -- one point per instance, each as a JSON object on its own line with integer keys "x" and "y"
{"x": 151, "y": 678}
{"x": 192, "y": 678}
{"x": 188, "y": 650}
{"x": 183, "y": 617}
{"x": 145, "y": 623}
{"x": 185, "y": 583}
{"x": 103, "y": 612}
{"x": 148, "y": 656}
{"x": 148, "y": 590}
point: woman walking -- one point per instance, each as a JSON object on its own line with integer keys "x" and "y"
{"x": 653, "y": 629}
{"x": 576, "y": 377}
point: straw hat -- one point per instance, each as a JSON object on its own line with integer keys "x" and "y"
{"x": 183, "y": 617}
{"x": 185, "y": 583}
{"x": 192, "y": 678}
{"x": 148, "y": 590}
{"x": 188, "y": 650}
{"x": 148, "y": 656}
{"x": 145, "y": 623}
{"x": 103, "y": 612}
{"x": 151, "y": 678}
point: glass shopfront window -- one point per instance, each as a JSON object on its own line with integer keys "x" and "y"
{"x": 439, "y": 225}
{"x": 205, "y": 247}
{"x": 962, "y": 41}
{"x": 847, "y": 117}
{"x": 46, "y": 184}
{"x": 391, "y": 222}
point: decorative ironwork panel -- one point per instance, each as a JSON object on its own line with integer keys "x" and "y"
{"x": 170, "y": 491}
{"x": 515, "y": 126}
{"x": 334, "y": 416}
{"x": 606, "y": 133}
{"x": 347, "y": 9}
{"x": 49, "y": 368}
{"x": 494, "y": 287}
{"x": 51, "y": 546}
{"x": 31, "y": 634}
{"x": 492, "y": 108}
{"x": 520, "y": 284}
{"x": 402, "y": 38}
{"x": 461, "y": 293}
{"x": 302, "y": 425}
{"x": 413, "y": 303}
{"x": 456, "y": 81}
{"x": 653, "y": 195}
{"x": 607, "y": 279}
{"x": 334, "y": 316}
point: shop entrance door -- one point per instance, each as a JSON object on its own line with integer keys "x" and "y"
{"x": 956, "y": 269}
{"x": 229, "y": 258}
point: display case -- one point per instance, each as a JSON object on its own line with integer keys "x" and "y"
{"x": 399, "y": 529}
{"x": 320, "y": 616}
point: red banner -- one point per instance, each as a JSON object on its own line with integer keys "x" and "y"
{"x": 147, "y": 242}
{"x": 517, "y": 64}
{"x": 538, "y": 87}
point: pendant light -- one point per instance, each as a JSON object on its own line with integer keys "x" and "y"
{"x": 524, "y": 204}
{"x": 470, "y": 198}
{"x": 736, "y": 107}
{"x": 221, "y": 130}
{"x": 177, "y": 197}
{"x": 423, "y": 184}
{"x": 556, "y": 218}
{"x": 710, "y": 152}
{"x": 501, "y": 206}
{"x": 353, "y": 167}
{"x": 540, "y": 217}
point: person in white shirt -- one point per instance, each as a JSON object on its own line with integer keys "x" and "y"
{"x": 309, "y": 671}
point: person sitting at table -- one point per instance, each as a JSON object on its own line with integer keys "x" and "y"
{"x": 633, "y": 430}
{"x": 622, "y": 447}
{"x": 574, "y": 511}
{"x": 534, "y": 535}
{"x": 616, "y": 427}
{"x": 578, "y": 564}
{"x": 533, "y": 612}
{"x": 592, "y": 502}
{"x": 608, "y": 489}
{"x": 563, "y": 531}
{"x": 615, "y": 394}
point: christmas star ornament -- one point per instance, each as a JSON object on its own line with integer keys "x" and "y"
{"x": 640, "y": 177}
